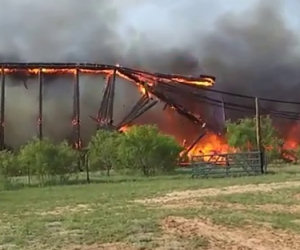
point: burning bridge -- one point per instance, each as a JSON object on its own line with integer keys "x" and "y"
{"x": 153, "y": 87}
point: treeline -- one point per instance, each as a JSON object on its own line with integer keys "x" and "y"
{"x": 142, "y": 150}
{"x": 241, "y": 135}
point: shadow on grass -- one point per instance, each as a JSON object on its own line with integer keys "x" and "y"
{"x": 20, "y": 182}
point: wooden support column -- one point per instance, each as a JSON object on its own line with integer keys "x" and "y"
{"x": 40, "y": 118}
{"x": 111, "y": 98}
{"x": 76, "y": 112}
{"x": 258, "y": 134}
{"x": 2, "y": 115}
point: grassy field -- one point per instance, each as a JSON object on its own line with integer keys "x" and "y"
{"x": 174, "y": 212}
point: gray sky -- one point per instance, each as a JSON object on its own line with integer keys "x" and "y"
{"x": 158, "y": 16}
{"x": 58, "y": 30}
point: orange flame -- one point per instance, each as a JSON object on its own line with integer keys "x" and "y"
{"x": 206, "y": 82}
{"x": 292, "y": 139}
{"x": 142, "y": 89}
{"x": 290, "y": 144}
{"x": 211, "y": 144}
{"x": 142, "y": 77}
{"x": 124, "y": 129}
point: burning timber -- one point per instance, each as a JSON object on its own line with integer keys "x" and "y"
{"x": 153, "y": 86}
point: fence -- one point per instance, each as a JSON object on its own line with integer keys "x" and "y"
{"x": 235, "y": 164}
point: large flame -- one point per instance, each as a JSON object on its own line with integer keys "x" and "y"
{"x": 211, "y": 144}
{"x": 292, "y": 139}
{"x": 291, "y": 144}
{"x": 127, "y": 74}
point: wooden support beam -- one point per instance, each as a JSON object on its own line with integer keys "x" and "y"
{"x": 111, "y": 98}
{"x": 76, "y": 111}
{"x": 40, "y": 117}
{"x": 140, "y": 103}
{"x": 195, "y": 142}
{"x": 103, "y": 105}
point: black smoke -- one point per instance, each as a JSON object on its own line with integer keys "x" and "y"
{"x": 254, "y": 52}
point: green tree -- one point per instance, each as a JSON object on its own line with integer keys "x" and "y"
{"x": 145, "y": 149}
{"x": 7, "y": 168}
{"x": 8, "y": 164}
{"x": 242, "y": 135}
{"x": 47, "y": 160}
{"x": 103, "y": 150}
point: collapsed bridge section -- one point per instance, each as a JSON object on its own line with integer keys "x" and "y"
{"x": 154, "y": 87}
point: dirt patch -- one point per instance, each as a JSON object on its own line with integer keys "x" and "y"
{"x": 79, "y": 208}
{"x": 221, "y": 237}
{"x": 107, "y": 246}
{"x": 269, "y": 208}
{"x": 7, "y": 246}
{"x": 297, "y": 197}
{"x": 237, "y": 189}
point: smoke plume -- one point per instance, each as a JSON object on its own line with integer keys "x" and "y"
{"x": 254, "y": 51}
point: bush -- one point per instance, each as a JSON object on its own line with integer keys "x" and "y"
{"x": 103, "y": 150}
{"x": 145, "y": 149}
{"x": 8, "y": 165}
{"x": 47, "y": 160}
{"x": 7, "y": 168}
{"x": 242, "y": 135}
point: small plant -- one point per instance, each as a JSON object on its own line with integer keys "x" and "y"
{"x": 7, "y": 168}
{"x": 47, "y": 160}
{"x": 7, "y": 163}
{"x": 145, "y": 149}
{"x": 103, "y": 150}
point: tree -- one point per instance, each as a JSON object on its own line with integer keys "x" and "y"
{"x": 7, "y": 167}
{"x": 145, "y": 149}
{"x": 103, "y": 150}
{"x": 242, "y": 135}
{"x": 45, "y": 159}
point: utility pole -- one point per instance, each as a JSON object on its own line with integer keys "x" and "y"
{"x": 258, "y": 134}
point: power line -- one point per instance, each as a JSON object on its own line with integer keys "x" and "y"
{"x": 242, "y": 108}
{"x": 249, "y": 96}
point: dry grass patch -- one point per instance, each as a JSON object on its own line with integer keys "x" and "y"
{"x": 221, "y": 237}
{"x": 269, "y": 208}
{"x": 79, "y": 208}
{"x": 107, "y": 246}
{"x": 237, "y": 189}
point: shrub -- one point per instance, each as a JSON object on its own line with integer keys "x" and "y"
{"x": 145, "y": 149}
{"x": 45, "y": 159}
{"x": 7, "y": 168}
{"x": 242, "y": 135}
{"x": 103, "y": 150}
{"x": 8, "y": 164}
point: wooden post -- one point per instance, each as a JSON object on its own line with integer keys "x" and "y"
{"x": 87, "y": 162}
{"x": 40, "y": 118}
{"x": 111, "y": 98}
{"x": 76, "y": 118}
{"x": 258, "y": 134}
{"x": 2, "y": 115}
{"x": 76, "y": 111}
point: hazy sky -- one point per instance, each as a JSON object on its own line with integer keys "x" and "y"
{"x": 158, "y": 16}
{"x": 84, "y": 27}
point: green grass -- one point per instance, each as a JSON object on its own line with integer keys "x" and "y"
{"x": 29, "y": 217}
